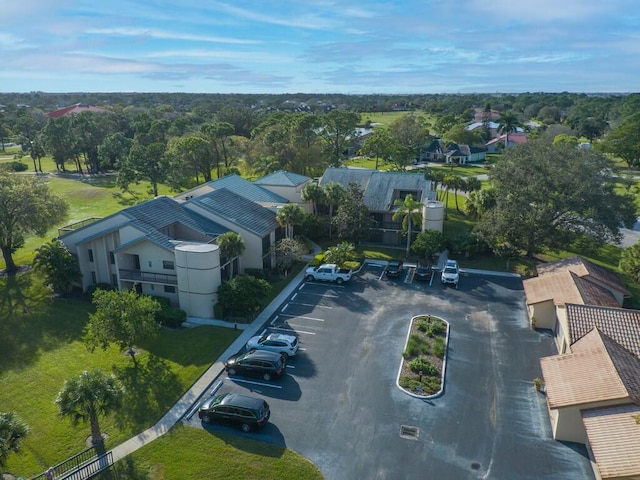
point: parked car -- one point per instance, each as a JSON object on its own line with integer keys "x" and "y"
{"x": 286, "y": 345}
{"x": 328, "y": 272}
{"x": 450, "y": 273}
{"x": 237, "y": 409}
{"x": 261, "y": 363}
{"x": 394, "y": 268}
{"x": 423, "y": 273}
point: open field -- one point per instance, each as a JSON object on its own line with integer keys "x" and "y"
{"x": 41, "y": 345}
{"x": 197, "y": 454}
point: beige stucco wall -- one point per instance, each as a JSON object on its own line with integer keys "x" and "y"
{"x": 291, "y": 193}
{"x": 568, "y": 426}
{"x": 252, "y": 255}
{"x": 198, "y": 270}
{"x": 544, "y": 314}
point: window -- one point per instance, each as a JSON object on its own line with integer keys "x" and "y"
{"x": 167, "y": 265}
{"x": 169, "y": 289}
{"x": 90, "y": 252}
{"x": 114, "y": 279}
{"x": 93, "y": 278}
{"x": 112, "y": 258}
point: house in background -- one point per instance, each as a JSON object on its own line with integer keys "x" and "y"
{"x": 452, "y": 153}
{"x": 75, "y": 110}
{"x": 381, "y": 191}
{"x": 494, "y": 145}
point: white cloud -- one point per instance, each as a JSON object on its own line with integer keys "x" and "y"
{"x": 166, "y": 35}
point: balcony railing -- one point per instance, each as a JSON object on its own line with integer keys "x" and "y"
{"x": 74, "y": 226}
{"x": 148, "y": 277}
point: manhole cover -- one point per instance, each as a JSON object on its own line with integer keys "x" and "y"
{"x": 411, "y": 433}
{"x": 475, "y": 466}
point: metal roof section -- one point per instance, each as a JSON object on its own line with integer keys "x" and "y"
{"x": 282, "y": 178}
{"x": 245, "y": 189}
{"x": 239, "y": 211}
{"x": 380, "y": 188}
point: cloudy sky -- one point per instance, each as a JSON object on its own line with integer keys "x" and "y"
{"x": 320, "y": 46}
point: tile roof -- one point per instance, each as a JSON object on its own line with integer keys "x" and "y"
{"x": 566, "y": 287}
{"x": 282, "y": 178}
{"x": 379, "y": 186}
{"x": 240, "y": 186}
{"x": 614, "y": 439}
{"x": 518, "y": 137}
{"x": 583, "y": 267}
{"x": 238, "y": 210}
{"x": 597, "y": 370}
{"x": 151, "y": 217}
{"x": 75, "y": 109}
{"x": 621, "y": 324}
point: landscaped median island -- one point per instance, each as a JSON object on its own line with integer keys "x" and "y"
{"x": 424, "y": 358}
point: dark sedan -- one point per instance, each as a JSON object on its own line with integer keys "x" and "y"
{"x": 394, "y": 268}
{"x": 260, "y": 363}
{"x": 423, "y": 273}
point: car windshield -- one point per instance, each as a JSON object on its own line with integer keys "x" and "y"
{"x": 451, "y": 270}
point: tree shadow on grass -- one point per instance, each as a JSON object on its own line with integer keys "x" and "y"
{"x": 150, "y": 390}
{"x": 32, "y": 321}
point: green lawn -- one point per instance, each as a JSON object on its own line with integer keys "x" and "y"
{"x": 194, "y": 454}
{"x": 87, "y": 197}
{"x": 387, "y": 118}
{"x": 41, "y": 345}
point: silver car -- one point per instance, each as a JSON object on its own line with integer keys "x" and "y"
{"x": 285, "y": 345}
{"x": 450, "y": 273}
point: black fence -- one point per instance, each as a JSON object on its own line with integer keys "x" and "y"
{"x": 82, "y": 466}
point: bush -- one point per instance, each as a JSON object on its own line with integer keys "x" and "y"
{"x": 99, "y": 286}
{"x": 14, "y": 166}
{"x": 429, "y": 385}
{"x": 423, "y": 365}
{"x": 415, "y": 346}
{"x": 438, "y": 347}
{"x": 256, "y": 272}
{"x": 168, "y": 315}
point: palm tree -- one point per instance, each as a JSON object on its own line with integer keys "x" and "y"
{"x": 231, "y": 246}
{"x": 59, "y": 266}
{"x": 87, "y": 396}
{"x": 334, "y": 193}
{"x": 288, "y": 216}
{"x": 12, "y": 432}
{"x": 508, "y": 124}
{"x": 312, "y": 192}
{"x": 447, "y": 183}
{"x": 410, "y": 212}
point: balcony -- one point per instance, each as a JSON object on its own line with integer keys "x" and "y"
{"x": 148, "y": 277}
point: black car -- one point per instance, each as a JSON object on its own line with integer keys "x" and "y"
{"x": 423, "y": 273}
{"x": 394, "y": 268}
{"x": 237, "y": 409}
{"x": 261, "y": 363}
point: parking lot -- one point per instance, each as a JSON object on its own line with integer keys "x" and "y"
{"x": 339, "y": 405}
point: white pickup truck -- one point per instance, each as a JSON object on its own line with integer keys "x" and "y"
{"x": 328, "y": 272}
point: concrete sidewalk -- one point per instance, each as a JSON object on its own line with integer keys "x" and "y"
{"x": 200, "y": 387}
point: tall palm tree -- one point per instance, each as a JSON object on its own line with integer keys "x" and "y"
{"x": 87, "y": 396}
{"x": 448, "y": 183}
{"x": 12, "y": 432}
{"x": 509, "y": 124}
{"x": 314, "y": 193}
{"x": 334, "y": 193}
{"x": 410, "y": 212}
{"x": 231, "y": 246}
{"x": 288, "y": 216}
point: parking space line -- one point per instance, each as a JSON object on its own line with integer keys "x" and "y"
{"x": 333, "y": 285}
{"x": 291, "y": 366}
{"x": 294, "y": 296}
{"x": 292, "y": 330}
{"x": 270, "y": 385}
{"x": 323, "y": 295}
{"x": 275, "y": 319}
{"x": 309, "y": 305}
{"x": 284, "y": 308}
{"x": 302, "y": 316}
